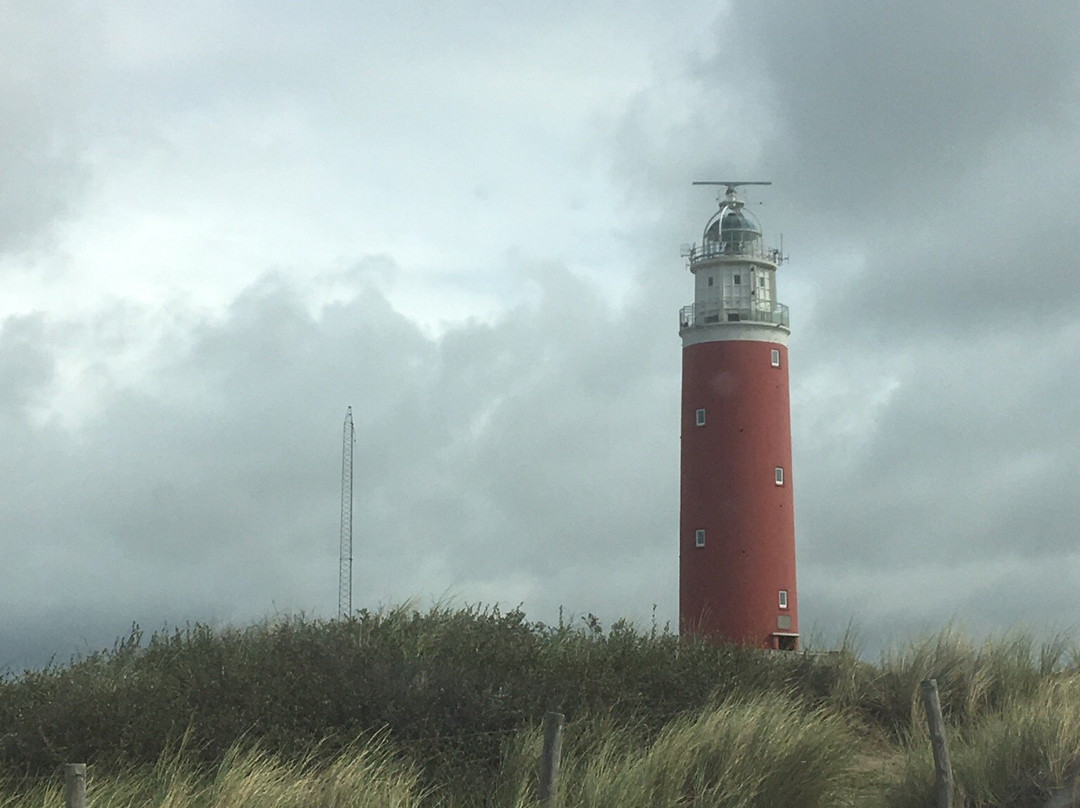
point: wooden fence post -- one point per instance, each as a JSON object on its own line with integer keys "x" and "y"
{"x": 75, "y": 785}
{"x": 549, "y": 763}
{"x": 943, "y": 781}
{"x": 1068, "y": 797}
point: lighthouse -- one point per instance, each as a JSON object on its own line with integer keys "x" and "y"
{"x": 737, "y": 521}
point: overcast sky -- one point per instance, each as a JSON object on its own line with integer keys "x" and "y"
{"x": 223, "y": 223}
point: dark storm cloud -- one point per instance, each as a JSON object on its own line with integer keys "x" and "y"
{"x": 971, "y": 454}
{"x": 925, "y": 164}
{"x": 882, "y": 105}
{"x": 935, "y": 139}
{"x": 925, "y": 168}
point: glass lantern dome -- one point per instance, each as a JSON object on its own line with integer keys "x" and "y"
{"x": 732, "y": 230}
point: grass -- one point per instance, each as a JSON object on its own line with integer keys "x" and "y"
{"x": 1017, "y": 755}
{"x": 739, "y": 754}
{"x": 764, "y": 750}
{"x": 441, "y": 709}
{"x": 369, "y": 776}
{"x": 973, "y": 680}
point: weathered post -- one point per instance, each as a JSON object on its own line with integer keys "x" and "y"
{"x": 75, "y": 785}
{"x": 549, "y": 763}
{"x": 943, "y": 781}
{"x": 1068, "y": 797}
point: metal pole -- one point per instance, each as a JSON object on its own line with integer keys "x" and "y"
{"x": 345, "y": 560}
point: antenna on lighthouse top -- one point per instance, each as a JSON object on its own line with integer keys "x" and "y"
{"x": 730, "y": 185}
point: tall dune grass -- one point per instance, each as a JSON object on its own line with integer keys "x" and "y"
{"x": 1016, "y": 756}
{"x": 370, "y": 776}
{"x": 651, "y": 717}
{"x": 973, "y": 680}
{"x": 756, "y": 751}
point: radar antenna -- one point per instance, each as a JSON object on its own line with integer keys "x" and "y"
{"x": 730, "y": 185}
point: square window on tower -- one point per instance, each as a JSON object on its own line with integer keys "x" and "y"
{"x": 775, "y": 358}
{"x": 779, "y": 475}
{"x": 737, "y": 280}
{"x": 699, "y": 537}
{"x": 710, "y": 280}
{"x": 699, "y": 418}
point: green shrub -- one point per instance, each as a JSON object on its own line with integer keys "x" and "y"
{"x": 431, "y": 678}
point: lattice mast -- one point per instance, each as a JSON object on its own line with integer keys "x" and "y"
{"x": 348, "y": 442}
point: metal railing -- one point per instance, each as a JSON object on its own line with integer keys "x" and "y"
{"x": 733, "y": 249}
{"x": 697, "y": 315}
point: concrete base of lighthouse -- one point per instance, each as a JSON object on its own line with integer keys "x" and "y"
{"x": 737, "y": 525}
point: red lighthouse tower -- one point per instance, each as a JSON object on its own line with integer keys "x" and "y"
{"x": 737, "y": 522}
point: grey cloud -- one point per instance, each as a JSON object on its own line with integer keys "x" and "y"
{"x": 978, "y": 597}
{"x": 500, "y": 458}
{"x": 535, "y": 456}
{"x": 890, "y": 103}
{"x": 924, "y": 166}
{"x": 970, "y": 453}
{"x": 45, "y": 69}
{"x": 26, "y": 364}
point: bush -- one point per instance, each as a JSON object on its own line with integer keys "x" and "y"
{"x": 448, "y": 685}
{"x": 462, "y": 692}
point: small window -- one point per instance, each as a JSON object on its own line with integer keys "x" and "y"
{"x": 699, "y": 537}
{"x": 699, "y": 418}
{"x": 710, "y": 280}
{"x": 783, "y": 598}
{"x": 775, "y": 358}
{"x": 779, "y": 475}
{"x": 761, "y": 281}
{"x": 738, "y": 280}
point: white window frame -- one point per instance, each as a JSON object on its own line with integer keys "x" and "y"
{"x": 778, "y": 475}
{"x": 783, "y": 599}
{"x": 774, "y": 357}
{"x": 699, "y": 537}
{"x": 699, "y": 417}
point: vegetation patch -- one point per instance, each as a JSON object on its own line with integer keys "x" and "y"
{"x": 443, "y": 708}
